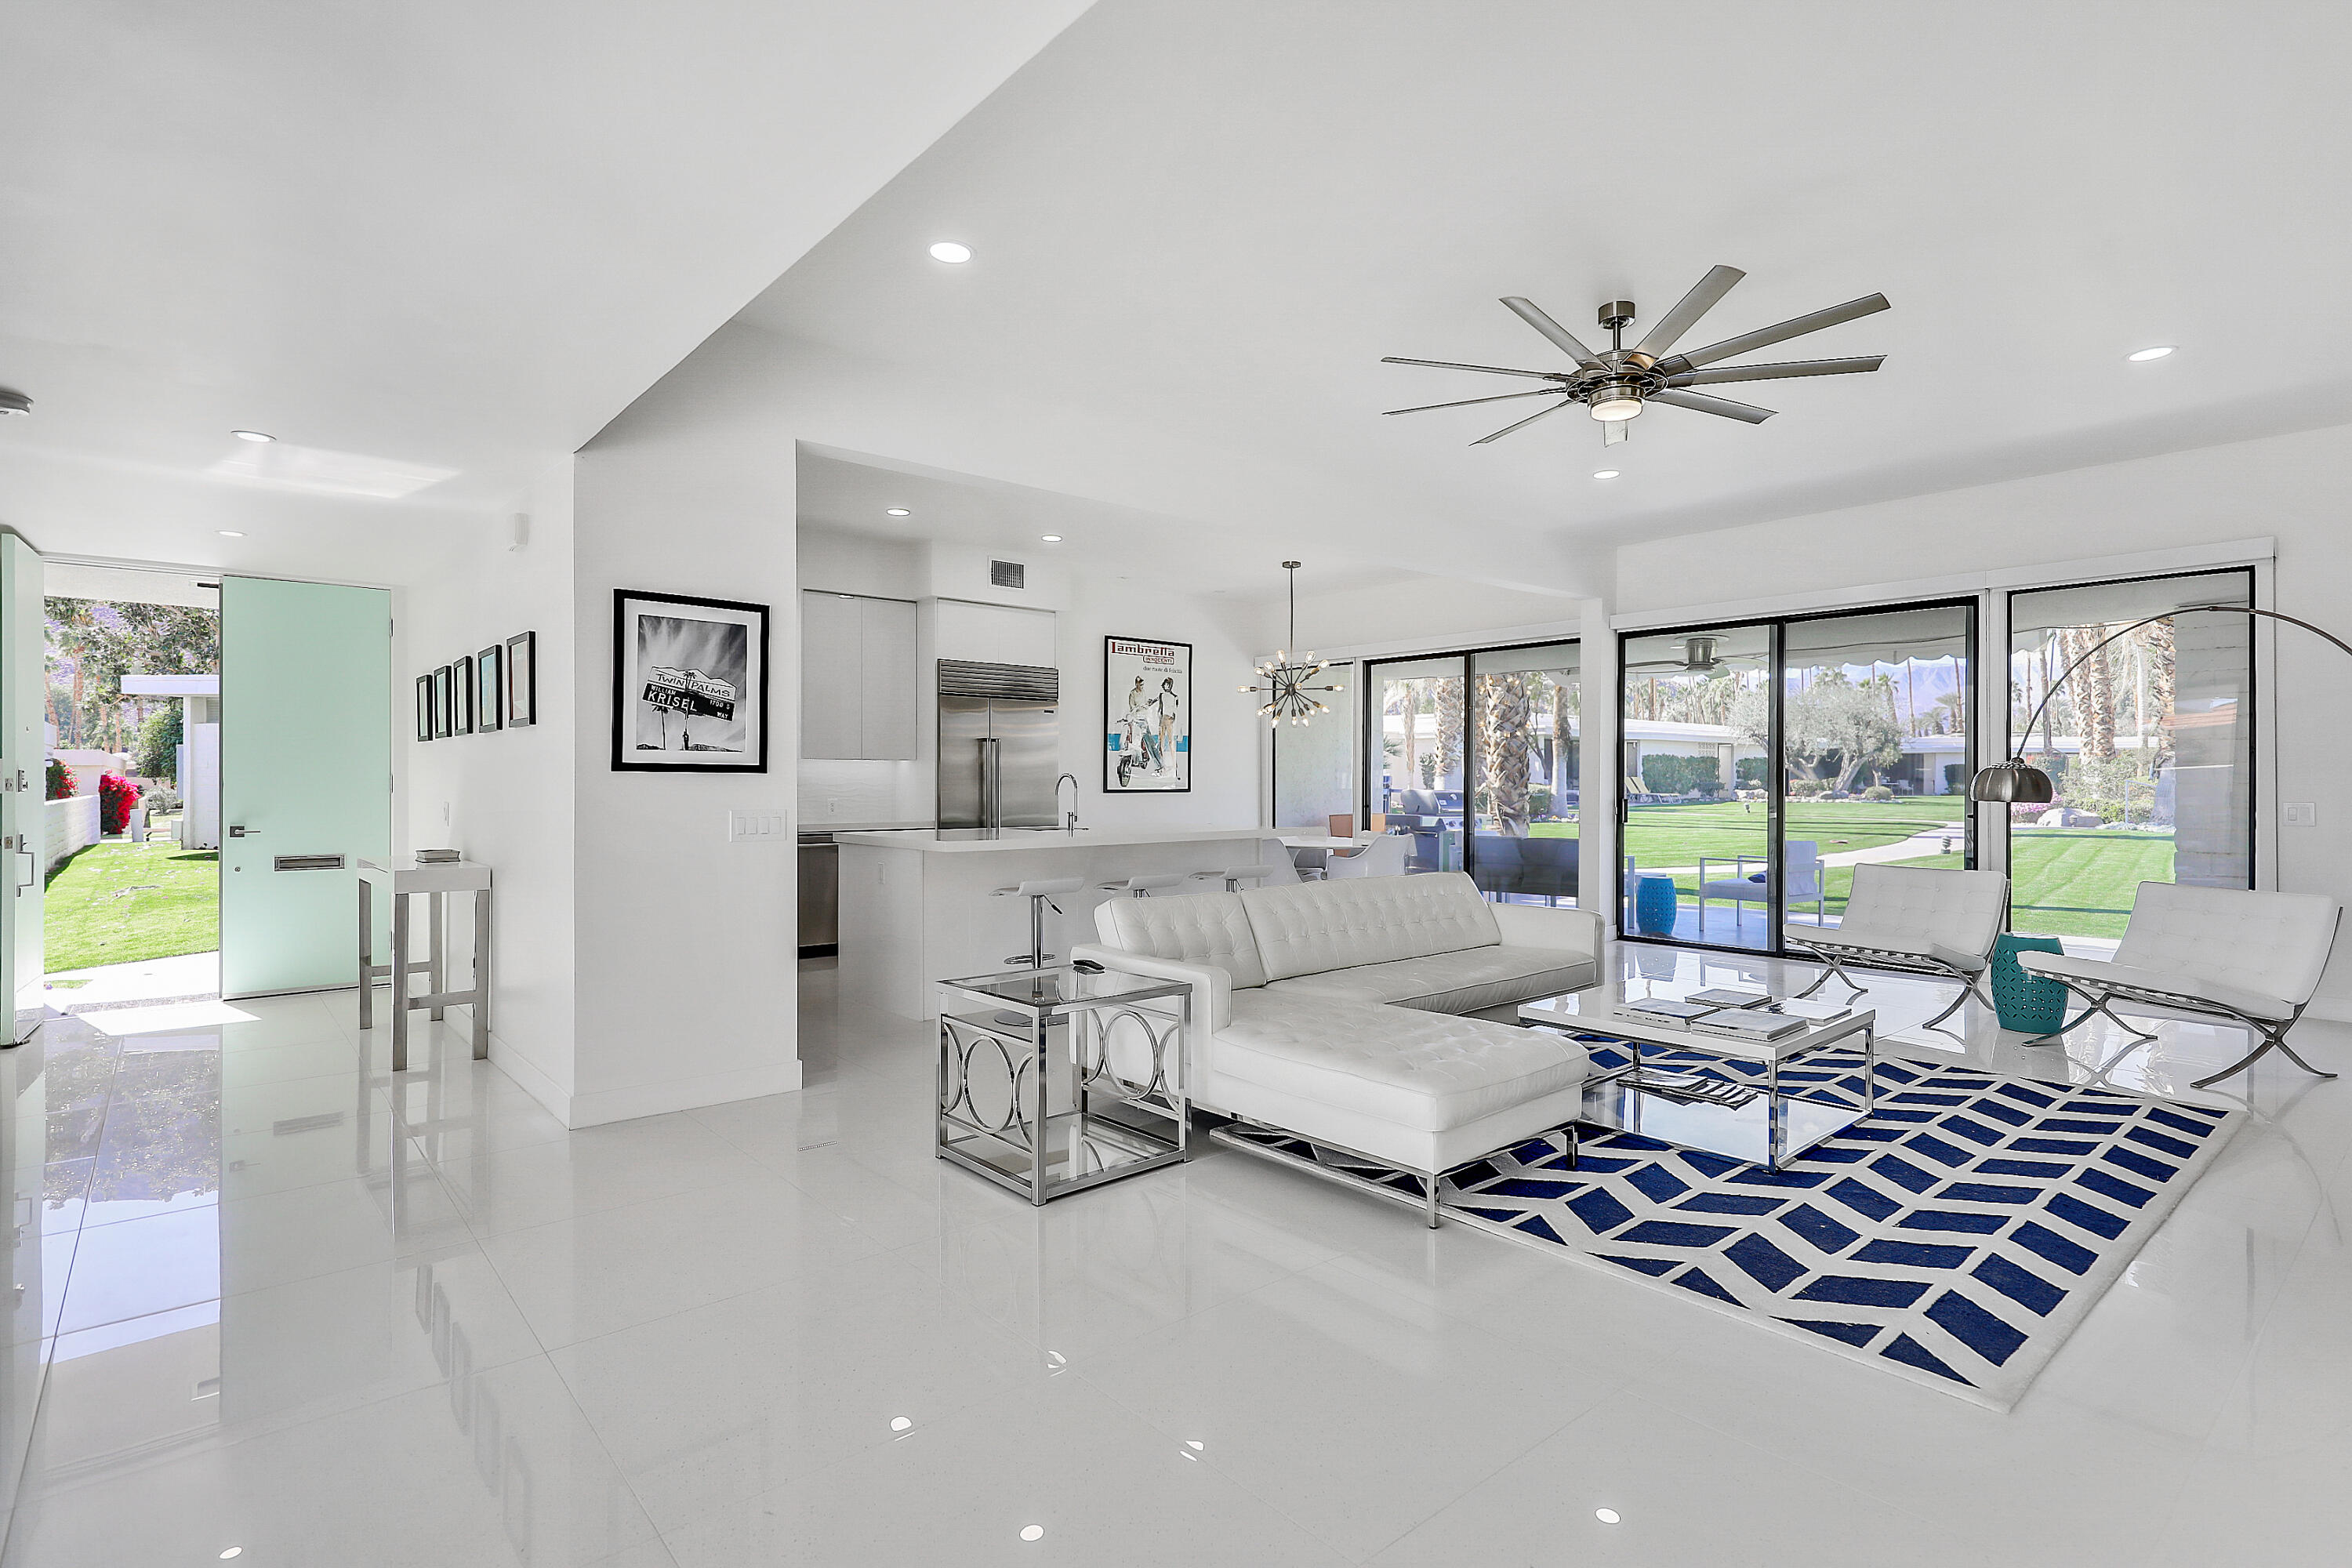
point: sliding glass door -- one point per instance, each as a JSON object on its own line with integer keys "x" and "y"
{"x": 1697, "y": 813}
{"x": 1472, "y": 757}
{"x": 2149, "y": 743}
{"x": 1875, "y": 757}
{"x": 1764, "y": 761}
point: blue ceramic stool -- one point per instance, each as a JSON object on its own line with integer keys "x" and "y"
{"x": 1653, "y": 904}
{"x": 2025, "y": 1003}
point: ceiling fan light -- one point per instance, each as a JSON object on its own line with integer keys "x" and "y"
{"x": 1617, "y": 405}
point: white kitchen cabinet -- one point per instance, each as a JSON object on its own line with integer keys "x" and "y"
{"x": 889, "y": 679}
{"x": 859, "y": 692}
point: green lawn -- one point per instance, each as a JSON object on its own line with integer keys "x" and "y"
{"x": 1679, "y": 835}
{"x": 125, "y": 903}
{"x": 2068, "y": 882}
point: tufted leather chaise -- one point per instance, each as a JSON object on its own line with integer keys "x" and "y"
{"x": 1333, "y": 1010}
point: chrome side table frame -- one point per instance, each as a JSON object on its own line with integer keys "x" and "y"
{"x": 1071, "y": 1118}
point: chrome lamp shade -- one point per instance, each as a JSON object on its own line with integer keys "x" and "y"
{"x": 2014, "y": 781}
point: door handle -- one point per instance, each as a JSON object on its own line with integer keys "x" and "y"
{"x": 32, "y": 869}
{"x": 244, "y": 832}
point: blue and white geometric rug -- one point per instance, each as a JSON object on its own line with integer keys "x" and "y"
{"x": 1954, "y": 1237}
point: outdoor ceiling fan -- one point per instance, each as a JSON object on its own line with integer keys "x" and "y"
{"x": 1618, "y": 383}
{"x": 1699, "y": 657}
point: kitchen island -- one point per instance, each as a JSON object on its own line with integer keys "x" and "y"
{"x": 917, "y": 907}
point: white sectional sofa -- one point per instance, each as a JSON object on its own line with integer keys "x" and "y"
{"x": 1333, "y": 1010}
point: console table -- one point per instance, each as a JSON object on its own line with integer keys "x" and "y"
{"x": 398, "y": 879}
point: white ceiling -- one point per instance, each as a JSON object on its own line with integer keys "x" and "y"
{"x": 1211, "y": 220}
{"x": 424, "y": 244}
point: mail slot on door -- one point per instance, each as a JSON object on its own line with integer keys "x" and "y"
{"x": 310, "y": 863}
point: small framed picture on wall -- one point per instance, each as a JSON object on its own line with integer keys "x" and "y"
{"x": 522, "y": 680}
{"x": 1147, "y": 716}
{"x": 689, "y": 684}
{"x": 423, "y": 707}
{"x": 486, "y": 685}
{"x": 461, "y": 691}
{"x": 441, "y": 703}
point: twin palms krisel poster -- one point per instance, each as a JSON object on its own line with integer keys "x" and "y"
{"x": 689, "y": 684}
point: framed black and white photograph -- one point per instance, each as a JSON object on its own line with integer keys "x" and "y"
{"x": 689, "y": 684}
{"x": 522, "y": 680}
{"x": 461, "y": 693}
{"x": 1147, "y": 716}
{"x": 443, "y": 705}
{"x": 486, "y": 685}
{"x": 423, "y": 707}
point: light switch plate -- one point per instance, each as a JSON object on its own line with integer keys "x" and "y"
{"x": 759, "y": 827}
{"x": 2303, "y": 814}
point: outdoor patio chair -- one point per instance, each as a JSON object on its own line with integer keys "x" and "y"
{"x": 1914, "y": 919}
{"x": 1548, "y": 867}
{"x": 1745, "y": 887}
{"x": 2217, "y": 952}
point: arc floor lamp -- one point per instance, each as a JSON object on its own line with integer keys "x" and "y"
{"x": 2019, "y": 780}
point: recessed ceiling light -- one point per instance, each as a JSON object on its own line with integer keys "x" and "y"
{"x": 1606, "y": 473}
{"x": 899, "y": 1423}
{"x": 232, "y": 1551}
{"x": 230, "y": 533}
{"x": 1605, "y": 1515}
{"x": 2157, "y": 352}
{"x": 950, "y": 251}
{"x": 251, "y": 436}
{"x": 1033, "y": 1532}
{"x": 896, "y": 512}
{"x": 1051, "y": 537}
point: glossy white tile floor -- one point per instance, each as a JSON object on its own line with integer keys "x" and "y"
{"x": 268, "y": 1298}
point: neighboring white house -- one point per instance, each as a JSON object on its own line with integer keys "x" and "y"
{"x": 199, "y": 760}
{"x": 88, "y": 766}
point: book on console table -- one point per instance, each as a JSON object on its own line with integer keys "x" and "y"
{"x": 1731, "y": 997}
{"x": 1654, "y": 1007}
{"x": 1748, "y": 1025}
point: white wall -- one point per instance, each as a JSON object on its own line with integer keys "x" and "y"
{"x": 686, "y": 946}
{"x": 2290, "y": 487}
{"x": 505, "y": 798}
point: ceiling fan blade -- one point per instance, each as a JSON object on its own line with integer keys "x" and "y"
{"x": 1464, "y": 402}
{"x": 1559, "y": 334}
{"x": 1522, "y": 424}
{"x": 1747, "y": 413}
{"x": 1870, "y": 305}
{"x": 1489, "y": 369}
{"x": 1778, "y": 372}
{"x": 1688, "y": 311}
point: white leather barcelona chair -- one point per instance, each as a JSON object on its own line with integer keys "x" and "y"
{"x": 2219, "y": 953}
{"x": 1915, "y": 919}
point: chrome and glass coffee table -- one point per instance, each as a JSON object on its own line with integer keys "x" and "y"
{"x": 1769, "y": 1125}
{"x": 1054, "y": 1080}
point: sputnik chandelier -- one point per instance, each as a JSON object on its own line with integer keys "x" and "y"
{"x": 1285, "y": 689}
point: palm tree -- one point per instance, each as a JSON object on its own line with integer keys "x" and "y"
{"x": 1504, "y": 716}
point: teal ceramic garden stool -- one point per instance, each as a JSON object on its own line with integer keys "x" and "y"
{"x": 1653, "y": 904}
{"x": 2027, "y": 1004}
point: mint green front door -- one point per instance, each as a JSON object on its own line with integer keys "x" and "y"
{"x": 24, "y": 811}
{"x": 306, "y": 777}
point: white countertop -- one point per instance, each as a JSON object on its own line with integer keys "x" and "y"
{"x": 949, "y": 841}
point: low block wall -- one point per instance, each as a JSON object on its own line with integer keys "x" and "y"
{"x": 73, "y": 823}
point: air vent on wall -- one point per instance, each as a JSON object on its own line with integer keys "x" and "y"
{"x": 1007, "y": 575}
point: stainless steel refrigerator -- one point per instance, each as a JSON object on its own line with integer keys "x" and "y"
{"x": 999, "y": 744}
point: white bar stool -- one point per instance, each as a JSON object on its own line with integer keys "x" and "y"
{"x": 1144, "y": 886}
{"x": 1235, "y": 875}
{"x": 1040, "y": 892}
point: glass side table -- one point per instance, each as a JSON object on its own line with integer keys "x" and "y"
{"x": 1043, "y": 1123}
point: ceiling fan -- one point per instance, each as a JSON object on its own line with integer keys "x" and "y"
{"x": 1699, "y": 657}
{"x": 1616, "y": 383}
